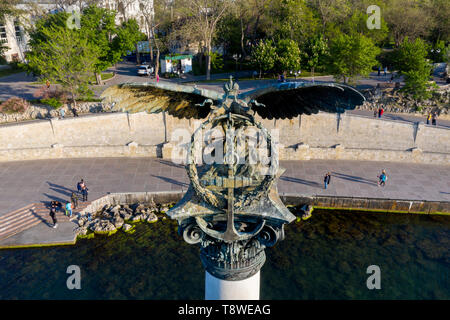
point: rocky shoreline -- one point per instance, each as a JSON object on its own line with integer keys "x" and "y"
{"x": 395, "y": 101}
{"x": 111, "y": 218}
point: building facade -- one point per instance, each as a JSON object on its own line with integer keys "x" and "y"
{"x": 12, "y": 30}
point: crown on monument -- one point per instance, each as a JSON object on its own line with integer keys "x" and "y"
{"x": 231, "y": 87}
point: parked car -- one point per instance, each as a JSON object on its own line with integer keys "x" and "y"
{"x": 145, "y": 70}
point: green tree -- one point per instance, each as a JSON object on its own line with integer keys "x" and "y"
{"x": 291, "y": 19}
{"x": 111, "y": 42}
{"x": 64, "y": 57}
{"x": 98, "y": 27}
{"x": 411, "y": 61}
{"x": 314, "y": 52}
{"x": 351, "y": 56}
{"x": 127, "y": 36}
{"x": 288, "y": 56}
{"x": 8, "y": 8}
{"x": 264, "y": 56}
{"x": 3, "y": 49}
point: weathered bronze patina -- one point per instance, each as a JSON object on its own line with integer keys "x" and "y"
{"x": 232, "y": 208}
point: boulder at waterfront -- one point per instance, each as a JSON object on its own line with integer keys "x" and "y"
{"x": 114, "y": 217}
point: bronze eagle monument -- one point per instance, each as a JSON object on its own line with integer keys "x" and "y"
{"x": 232, "y": 207}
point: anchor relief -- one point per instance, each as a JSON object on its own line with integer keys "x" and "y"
{"x": 232, "y": 208}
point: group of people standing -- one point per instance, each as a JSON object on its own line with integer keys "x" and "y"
{"x": 432, "y": 116}
{"x": 378, "y": 112}
{"x": 72, "y": 204}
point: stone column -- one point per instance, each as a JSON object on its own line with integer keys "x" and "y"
{"x": 218, "y": 289}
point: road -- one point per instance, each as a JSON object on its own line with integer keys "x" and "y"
{"x": 24, "y": 86}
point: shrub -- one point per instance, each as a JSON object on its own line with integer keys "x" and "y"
{"x": 14, "y": 105}
{"x": 52, "y": 102}
{"x": 44, "y": 93}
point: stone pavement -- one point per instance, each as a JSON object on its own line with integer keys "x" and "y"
{"x": 40, "y": 181}
{"x": 36, "y": 213}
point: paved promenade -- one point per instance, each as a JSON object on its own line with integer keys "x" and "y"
{"x": 27, "y": 182}
{"x": 28, "y": 186}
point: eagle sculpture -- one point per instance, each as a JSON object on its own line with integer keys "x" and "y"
{"x": 284, "y": 100}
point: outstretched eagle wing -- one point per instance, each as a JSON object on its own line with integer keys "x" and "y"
{"x": 180, "y": 101}
{"x": 290, "y": 99}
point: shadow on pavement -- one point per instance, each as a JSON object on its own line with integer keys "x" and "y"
{"x": 353, "y": 178}
{"x": 301, "y": 181}
{"x": 172, "y": 181}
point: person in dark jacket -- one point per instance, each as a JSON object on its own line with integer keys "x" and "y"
{"x": 84, "y": 192}
{"x": 327, "y": 179}
{"x": 53, "y": 216}
{"x": 80, "y": 186}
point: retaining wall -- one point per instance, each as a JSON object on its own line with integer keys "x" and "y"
{"x": 369, "y": 204}
{"x": 321, "y": 136}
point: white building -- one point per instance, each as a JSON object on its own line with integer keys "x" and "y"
{"x": 14, "y": 37}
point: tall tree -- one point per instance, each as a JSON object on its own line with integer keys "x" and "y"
{"x": 202, "y": 17}
{"x": 288, "y": 56}
{"x": 264, "y": 56}
{"x": 408, "y": 18}
{"x": 292, "y": 19}
{"x": 411, "y": 61}
{"x": 351, "y": 56}
{"x": 63, "y": 56}
{"x": 439, "y": 10}
{"x": 157, "y": 16}
{"x": 111, "y": 41}
{"x": 314, "y": 52}
{"x": 98, "y": 26}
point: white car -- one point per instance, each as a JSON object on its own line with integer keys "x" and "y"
{"x": 145, "y": 70}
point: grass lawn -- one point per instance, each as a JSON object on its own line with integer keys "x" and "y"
{"x": 105, "y": 76}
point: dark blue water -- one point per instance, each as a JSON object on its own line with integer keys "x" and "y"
{"x": 325, "y": 257}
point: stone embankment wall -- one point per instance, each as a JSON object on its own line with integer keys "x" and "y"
{"x": 331, "y": 202}
{"x": 321, "y": 136}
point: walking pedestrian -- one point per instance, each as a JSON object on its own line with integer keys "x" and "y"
{"x": 382, "y": 178}
{"x": 433, "y": 118}
{"x": 74, "y": 200}
{"x": 157, "y": 77}
{"x": 84, "y": 192}
{"x": 428, "y": 118}
{"x": 380, "y": 112}
{"x": 53, "y": 216}
{"x": 62, "y": 113}
{"x": 375, "y": 112}
{"x": 69, "y": 209}
{"x": 385, "y": 71}
{"x": 75, "y": 112}
{"x": 47, "y": 83}
{"x": 326, "y": 179}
